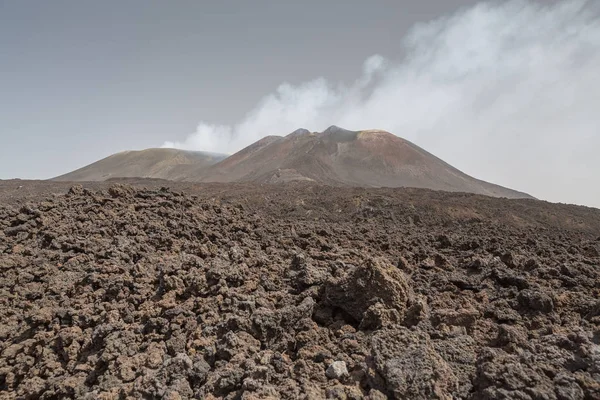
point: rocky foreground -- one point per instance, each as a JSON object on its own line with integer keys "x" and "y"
{"x": 296, "y": 292}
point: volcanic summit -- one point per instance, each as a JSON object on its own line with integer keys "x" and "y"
{"x": 336, "y": 157}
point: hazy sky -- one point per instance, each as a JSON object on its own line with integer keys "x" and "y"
{"x": 507, "y": 91}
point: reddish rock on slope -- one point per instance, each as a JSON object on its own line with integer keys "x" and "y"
{"x": 371, "y": 158}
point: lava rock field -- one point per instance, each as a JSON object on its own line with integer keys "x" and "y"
{"x": 113, "y": 291}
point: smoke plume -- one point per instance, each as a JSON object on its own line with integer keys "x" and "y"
{"x": 507, "y": 92}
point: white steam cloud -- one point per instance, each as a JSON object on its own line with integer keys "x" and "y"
{"x": 508, "y": 92}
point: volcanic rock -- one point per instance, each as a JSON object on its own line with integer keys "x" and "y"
{"x": 154, "y": 289}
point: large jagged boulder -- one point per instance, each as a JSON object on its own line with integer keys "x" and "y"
{"x": 411, "y": 367}
{"x": 375, "y": 294}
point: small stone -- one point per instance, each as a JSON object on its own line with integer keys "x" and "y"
{"x": 12, "y": 350}
{"x": 591, "y": 251}
{"x": 536, "y": 301}
{"x": 354, "y": 393}
{"x": 76, "y": 190}
{"x": 375, "y": 394}
{"x": 172, "y": 395}
{"x": 336, "y": 370}
{"x": 336, "y": 393}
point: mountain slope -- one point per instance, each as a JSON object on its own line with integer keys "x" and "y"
{"x": 337, "y": 157}
{"x": 170, "y": 164}
{"x": 371, "y": 158}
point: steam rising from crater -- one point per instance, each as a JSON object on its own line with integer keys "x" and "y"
{"x": 507, "y": 92}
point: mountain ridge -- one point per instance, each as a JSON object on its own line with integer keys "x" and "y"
{"x": 335, "y": 156}
{"x": 162, "y": 163}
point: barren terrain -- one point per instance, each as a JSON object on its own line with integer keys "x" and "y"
{"x": 156, "y": 289}
{"x": 340, "y": 157}
{"x": 170, "y": 164}
{"x": 335, "y": 157}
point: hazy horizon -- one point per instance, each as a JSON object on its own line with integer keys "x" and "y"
{"x": 505, "y": 91}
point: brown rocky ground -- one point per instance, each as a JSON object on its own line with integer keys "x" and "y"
{"x": 294, "y": 292}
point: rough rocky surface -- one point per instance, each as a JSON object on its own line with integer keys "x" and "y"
{"x": 117, "y": 291}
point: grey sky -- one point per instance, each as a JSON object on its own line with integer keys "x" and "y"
{"x": 82, "y": 80}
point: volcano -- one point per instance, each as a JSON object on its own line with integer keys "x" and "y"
{"x": 335, "y": 157}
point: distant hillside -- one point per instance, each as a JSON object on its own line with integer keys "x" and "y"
{"x": 169, "y": 164}
{"x": 336, "y": 156}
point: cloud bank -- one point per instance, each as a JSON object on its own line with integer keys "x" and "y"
{"x": 507, "y": 92}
